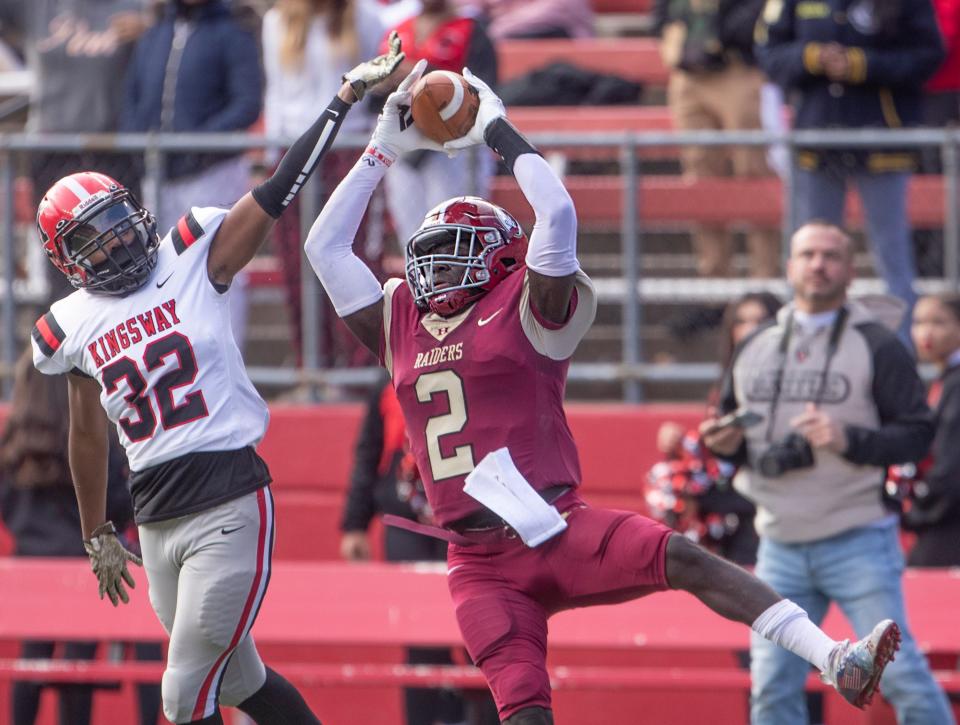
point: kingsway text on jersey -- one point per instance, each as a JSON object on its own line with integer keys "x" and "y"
{"x": 132, "y": 331}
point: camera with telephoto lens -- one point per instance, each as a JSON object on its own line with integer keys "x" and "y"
{"x": 789, "y": 454}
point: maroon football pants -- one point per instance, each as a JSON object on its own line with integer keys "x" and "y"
{"x": 504, "y": 591}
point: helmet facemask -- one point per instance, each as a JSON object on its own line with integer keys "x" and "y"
{"x": 113, "y": 249}
{"x": 447, "y": 266}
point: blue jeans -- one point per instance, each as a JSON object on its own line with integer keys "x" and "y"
{"x": 821, "y": 195}
{"x": 860, "y": 570}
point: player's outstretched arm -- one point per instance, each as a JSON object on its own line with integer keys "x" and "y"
{"x": 88, "y": 466}
{"x": 351, "y": 286}
{"x": 88, "y": 451}
{"x": 250, "y": 219}
{"x": 552, "y": 252}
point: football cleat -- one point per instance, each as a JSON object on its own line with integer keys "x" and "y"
{"x": 855, "y": 669}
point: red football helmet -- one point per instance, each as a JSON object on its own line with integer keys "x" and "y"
{"x": 472, "y": 242}
{"x": 96, "y": 232}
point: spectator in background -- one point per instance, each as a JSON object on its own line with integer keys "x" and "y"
{"x": 715, "y": 85}
{"x": 420, "y": 180}
{"x": 941, "y": 108}
{"x": 841, "y": 401}
{"x": 307, "y": 46}
{"x": 941, "y": 103}
{"x": 855, "y": 65}
{"x": 932, "y": 495}
{"x": 385, "y": 479}
{"x": 535, "y": 18}
{"x": 76, "y": 50}
{"x": 690, "y": 490}
{"x": 39, "y": 509}
{"x": 197, "y": 71}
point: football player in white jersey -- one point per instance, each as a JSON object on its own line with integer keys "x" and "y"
{"x": 147, "y": 339}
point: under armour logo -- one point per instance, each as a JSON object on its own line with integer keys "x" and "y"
{"x": 406, "y": 116}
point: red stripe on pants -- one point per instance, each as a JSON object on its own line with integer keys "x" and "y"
{"x": 247, "y": 607}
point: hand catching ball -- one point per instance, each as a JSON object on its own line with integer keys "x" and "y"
{"x": 445, "y": 105}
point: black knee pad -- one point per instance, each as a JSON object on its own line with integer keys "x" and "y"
{"x": 530, "y": 716}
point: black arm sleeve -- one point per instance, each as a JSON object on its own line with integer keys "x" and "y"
{"x": 361, "y": 504}
{"x": 298, "y": 163}
{"x": 906, "y": 423}
{"x": 504, "y": 138}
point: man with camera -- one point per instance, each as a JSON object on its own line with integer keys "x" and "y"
{"x": 840, "y": 400}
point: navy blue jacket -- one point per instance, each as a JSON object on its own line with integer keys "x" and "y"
{"x": 893, "y": 47}
{"x": 219, "y": 83}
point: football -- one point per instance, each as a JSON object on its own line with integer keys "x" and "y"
{"x": 444, "y": 105}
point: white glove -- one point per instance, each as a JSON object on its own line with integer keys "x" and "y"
{"x": 395, "y": 133}
{"x": 109, "y": 560}
{"x": 371, "y": 72}
{"x": 491, "y": 108}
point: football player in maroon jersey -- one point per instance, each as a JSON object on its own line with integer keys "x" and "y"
{"x": 477, "y": 340}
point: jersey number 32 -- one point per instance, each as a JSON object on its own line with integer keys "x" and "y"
{"x": 172, "y": 415}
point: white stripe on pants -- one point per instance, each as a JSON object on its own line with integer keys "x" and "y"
{"x": 208, "y": 573}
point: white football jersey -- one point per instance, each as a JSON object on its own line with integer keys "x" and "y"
{"x": 172, "y": 378}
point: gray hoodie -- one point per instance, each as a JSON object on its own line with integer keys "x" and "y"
{"x": 871, "y": 388}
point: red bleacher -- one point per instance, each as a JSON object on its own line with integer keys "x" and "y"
{"x": 675, "y": 200}
{"x": 635, "y": 58}
{"x": 339, "y": 629}
{"x": 309, "y": 449}
{"x": 622, "y": 6}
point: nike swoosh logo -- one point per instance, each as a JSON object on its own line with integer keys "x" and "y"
{"x": 160, "y": 284}
{"x": 453, "y": 569}
{"x": 481, "y": 322}
{"x": 226, "y": 531}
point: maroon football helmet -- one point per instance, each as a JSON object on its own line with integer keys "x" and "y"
{"x": 465, "y": 247}
{"x": 96, "y": 232}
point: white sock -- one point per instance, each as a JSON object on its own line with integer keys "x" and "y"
{"x": 787, "y": 625}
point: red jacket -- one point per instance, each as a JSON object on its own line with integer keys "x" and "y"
{"x": 947, "y": 78}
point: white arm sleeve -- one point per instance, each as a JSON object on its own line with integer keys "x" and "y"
{"x": 553, "y": 242}
{"x": 348, "y": 282}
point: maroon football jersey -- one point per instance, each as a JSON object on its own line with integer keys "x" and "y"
{"x": 491, "y": 377}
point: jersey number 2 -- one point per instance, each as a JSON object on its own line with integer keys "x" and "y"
{"x": 171, "y": 414}
{"x": 448, "y": 382}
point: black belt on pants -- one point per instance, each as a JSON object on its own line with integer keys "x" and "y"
{"x": 487, "y": 519}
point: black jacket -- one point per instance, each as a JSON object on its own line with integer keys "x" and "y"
{"x": 215, "y": 84}
{"x": 941, "y": 502}
{"x": 46, "y": 521}
{"x": 893, "y": 47}
{"x": 735, "y": 21}
{"x": 373, "y": 481}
